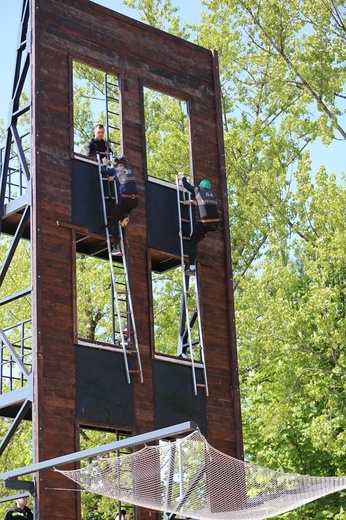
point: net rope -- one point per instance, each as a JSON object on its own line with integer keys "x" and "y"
{"x": 188, "y": 477}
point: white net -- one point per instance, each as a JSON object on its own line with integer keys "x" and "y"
{"x": 190, "y": 478}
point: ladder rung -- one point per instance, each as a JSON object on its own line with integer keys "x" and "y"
{"x": 186, "y": 238}
{"x": 201, "y": 385}
{"x": 134, "y": 371}
{"x": 125, "y": 332}
{"x": 185, "y": 220}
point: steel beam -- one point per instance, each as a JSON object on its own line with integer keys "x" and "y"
{"x": 169, "y": 432}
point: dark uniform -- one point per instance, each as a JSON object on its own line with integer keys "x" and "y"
{"x": 207, "y": 215}
{"x": 127, "y": 194}
{"x": 19, "y": 514}
{"x": 93, "y": 147}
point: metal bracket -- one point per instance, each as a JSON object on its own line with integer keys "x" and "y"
{"x": 26, "y": 485}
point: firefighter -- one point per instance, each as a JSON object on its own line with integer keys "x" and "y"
{"x": 127, "y": 195}
{"x": 208, "y": 217}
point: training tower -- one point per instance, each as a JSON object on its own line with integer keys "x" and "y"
{"x": 50, "y": 199}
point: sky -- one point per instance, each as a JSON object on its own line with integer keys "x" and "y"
{"x": 9, "y": 26}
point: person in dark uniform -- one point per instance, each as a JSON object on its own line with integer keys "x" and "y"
{"x": 127, "y": 194}
{"x": 97, "y": 144}
{"x": 20, "y": 511}
{"x": 208, "y": 217}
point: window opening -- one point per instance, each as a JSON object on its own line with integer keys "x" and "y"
{"x": 98, "y": 507}
{"x": 96, "y": 99}
{"x": 94, "y": 299}
{"x": 166, "y": 135}
{"x": 177, "y": 472}
{"x": 167, "y": 311}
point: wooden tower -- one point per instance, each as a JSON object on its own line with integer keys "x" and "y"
{"x": 68, "y": 383}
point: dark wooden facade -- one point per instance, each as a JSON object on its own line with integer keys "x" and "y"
{"x": 68, "y": 390}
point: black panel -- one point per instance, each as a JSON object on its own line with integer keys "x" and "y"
{"x": 174, "y": 397}
{"x": 12, "y": 411}
{"x": 86, "y": 197}
{"x": 162, "y": 218}
{"x": 103, "y": 395}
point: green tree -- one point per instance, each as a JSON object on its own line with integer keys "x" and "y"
{"x": 99, "y": 506}
{"x": 90, "y": 87}
{"x": 16, "y": 455}
{"x": 167, "y": 292}
{"x": 292, "y": 361}
{"x": 94, "y": 309}
{"x": 167, "y": 138}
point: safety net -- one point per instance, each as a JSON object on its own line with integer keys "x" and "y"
{"x": 188, "y": 477}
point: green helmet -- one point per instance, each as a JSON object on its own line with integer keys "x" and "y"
{"x": 205, "y": 184}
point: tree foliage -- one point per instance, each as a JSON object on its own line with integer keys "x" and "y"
{"x": 99, "y": 507}
{"x": 90, "y": 88}
{"x": 94, "y": 308}
{"x": 166, "y": 310}
{"x": 16, "y": 455}
{"x": 166, "y": 135}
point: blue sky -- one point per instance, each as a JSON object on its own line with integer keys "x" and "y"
{"x": 9, "y": 24}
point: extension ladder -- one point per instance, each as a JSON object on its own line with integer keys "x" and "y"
{"x": 124, "y": 326}
{"x": 112, "y": 109}
{"x": 190, "y": 335}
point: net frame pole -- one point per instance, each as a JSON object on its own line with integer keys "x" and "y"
{"x": 143, "y": 438}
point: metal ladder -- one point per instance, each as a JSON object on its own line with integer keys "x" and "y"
{"x": 112, "y": 110}
{"x": 124, "y": 326}
{"x": 190, "y": 336}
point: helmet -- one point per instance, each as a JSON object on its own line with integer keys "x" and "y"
{"x": 120, "y": 159}
{"x": 205, "y": 184}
